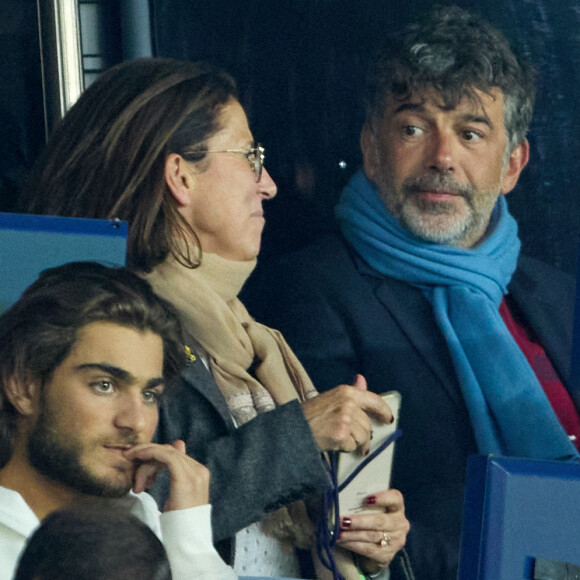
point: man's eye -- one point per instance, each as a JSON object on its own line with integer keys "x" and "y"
{"x": 472, "y": 136}
{"x": 151, "y": 396}
{"x": 412, "y": 130}
{"x": 103, "y": 386}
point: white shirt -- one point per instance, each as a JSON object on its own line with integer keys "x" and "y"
{"x": 186, "y": 535}
{"x": 258, "y": 555}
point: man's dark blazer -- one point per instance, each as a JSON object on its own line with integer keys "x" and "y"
{"x": 342, "y": 318}
{"x": 265, "y": 464}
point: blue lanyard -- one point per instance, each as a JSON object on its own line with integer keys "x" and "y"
{"x": 325, "y": 535}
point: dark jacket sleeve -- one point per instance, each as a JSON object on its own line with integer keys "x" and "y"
{"x": 269, "y": 462}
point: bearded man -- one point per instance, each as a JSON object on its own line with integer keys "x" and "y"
{"x": 85, "y": 356}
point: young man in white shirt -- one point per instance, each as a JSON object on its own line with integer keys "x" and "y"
{"x": 84, "y": 358}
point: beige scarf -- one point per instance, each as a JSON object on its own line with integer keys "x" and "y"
{"x": 206, "y": 298}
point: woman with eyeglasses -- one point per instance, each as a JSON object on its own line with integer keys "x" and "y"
{"x": 166, "y": 146}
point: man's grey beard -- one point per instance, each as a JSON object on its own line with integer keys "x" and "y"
{"x": 413, "y": 213}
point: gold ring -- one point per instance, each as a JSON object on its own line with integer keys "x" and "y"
{"x": 386, "y": 540}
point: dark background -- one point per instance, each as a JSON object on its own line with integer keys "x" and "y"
{"x": 299, "y": 65}
{"x": 21, "y": 110}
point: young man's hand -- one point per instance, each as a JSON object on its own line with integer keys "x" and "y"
{"x": 189, "y": 479}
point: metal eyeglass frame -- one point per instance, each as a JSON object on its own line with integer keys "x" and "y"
{"x": 255, "y": 156}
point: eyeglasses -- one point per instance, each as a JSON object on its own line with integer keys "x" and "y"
{"x": 254, "y": 155}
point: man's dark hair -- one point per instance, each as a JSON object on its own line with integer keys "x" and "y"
{"x": 91, "y": 545}
{"x": 38, "y": 332}
{"x": 106, "y": 158}
{"x": 454, "y": 53}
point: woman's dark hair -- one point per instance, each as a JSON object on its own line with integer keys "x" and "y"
{"x": 91, "y": 545}
{"x": 106, "y": 158}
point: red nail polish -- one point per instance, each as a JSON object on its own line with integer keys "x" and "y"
{"x": 392, "y": 420}
{"x": 345, "y": 522}
{"x": 371, "y": 500}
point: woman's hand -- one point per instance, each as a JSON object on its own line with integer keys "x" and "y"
{"x": 339, "y": 418}
{"x": 376, "y": 536}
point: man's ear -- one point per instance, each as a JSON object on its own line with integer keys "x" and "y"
{"x": 368, "y": 147}
{"x": 24, "y": 395}
{"x": 179, "y": 178}
{"x": 518, "y": 160}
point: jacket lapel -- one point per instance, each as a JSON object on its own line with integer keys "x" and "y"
{"x": 551, "y": 322}
{"x": 413, "y": 314}
{"x": 198, "y": 377}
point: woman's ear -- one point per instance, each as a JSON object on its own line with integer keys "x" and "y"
{"x": 179, "y": 178}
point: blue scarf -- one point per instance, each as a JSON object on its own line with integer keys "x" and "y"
{"x": 507, "y": 406}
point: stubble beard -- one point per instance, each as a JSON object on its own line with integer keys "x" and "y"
{"x": 453, "y": 223}
{"x": 60, "y": 460}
